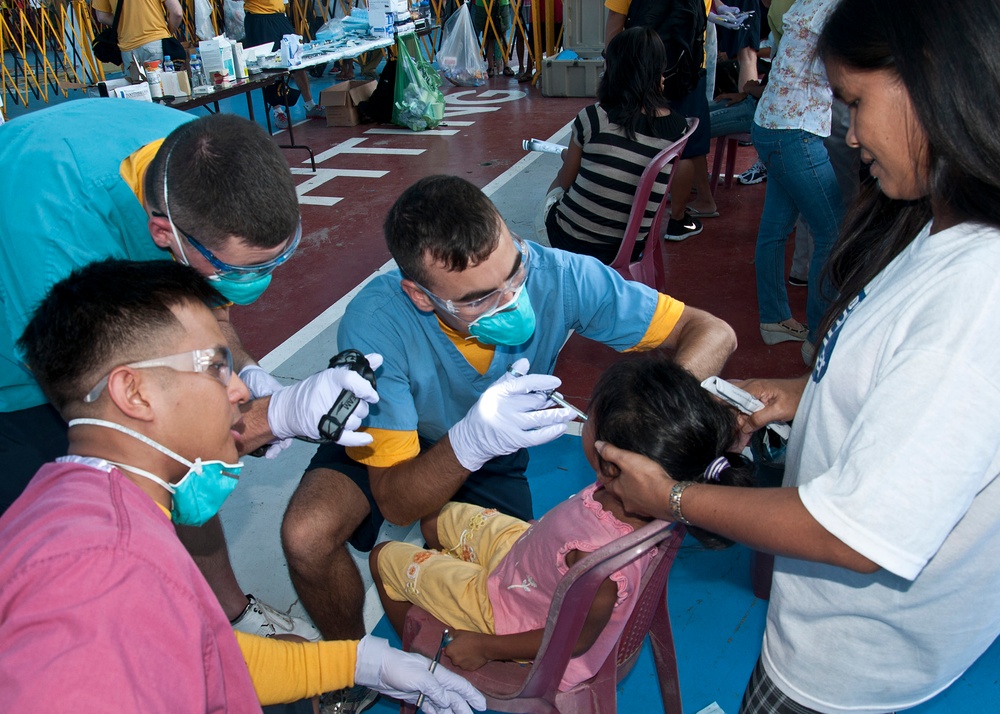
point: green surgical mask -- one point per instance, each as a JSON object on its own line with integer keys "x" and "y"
{"x": 199, "y": 494}
{"x": 511, "y": 325}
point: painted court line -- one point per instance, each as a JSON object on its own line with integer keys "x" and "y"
{"x": 287, "y": 349}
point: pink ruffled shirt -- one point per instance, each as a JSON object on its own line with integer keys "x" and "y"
{"x": 522, "y": 585}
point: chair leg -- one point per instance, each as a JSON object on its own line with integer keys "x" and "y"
{"x": 732, "y": 145}
{"x": 720, "y": 149}
{"x": 665, "y": 658}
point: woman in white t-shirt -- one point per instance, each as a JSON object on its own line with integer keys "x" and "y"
{"x": 887, "y": 526}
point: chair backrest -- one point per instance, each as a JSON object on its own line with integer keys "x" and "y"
{"x": 576, "y": 592}
{"x": 649, "y": 268}
{"x": 514, "y": 688}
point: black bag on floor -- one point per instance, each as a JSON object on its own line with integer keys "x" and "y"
{"x": 378, "y": 107}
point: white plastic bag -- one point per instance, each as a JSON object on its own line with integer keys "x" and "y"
{"x": 203, "y": 20}
{"x": 459, "y": 58}
{"x": 234, "y": 17}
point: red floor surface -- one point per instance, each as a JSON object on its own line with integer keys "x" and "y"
{"x": 363, "y": 169}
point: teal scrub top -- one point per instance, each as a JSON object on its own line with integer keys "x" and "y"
{"x": 65, "y": 205}
{"x": 426, "y": 385}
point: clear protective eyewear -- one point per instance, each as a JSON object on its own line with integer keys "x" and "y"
{"x": 216, "y": 362}
{"x": 240, "y": 273}
{"x": 235, "y": 273}
{"x": 471, "y": 310}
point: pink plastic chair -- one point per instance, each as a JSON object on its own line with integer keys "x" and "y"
{"x": 727, "y": 146}
{"x": 649, "y": 268}
{"x": 512, "y": 687}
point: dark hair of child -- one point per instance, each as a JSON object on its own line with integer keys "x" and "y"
{"x": 656, "y": 408}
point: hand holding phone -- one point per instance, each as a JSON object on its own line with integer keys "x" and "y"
{"x": 743, "y": 401}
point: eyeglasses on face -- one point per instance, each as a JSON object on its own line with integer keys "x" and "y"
{"x": 216, "y": 362}
{"x": 240, "y": 273}
{"x": 470, "y": 310}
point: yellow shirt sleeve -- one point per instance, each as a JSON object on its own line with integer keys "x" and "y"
{"x": 668, "y": 312}
{"x": 619, "y": 6}
{"x": 387, "y": 449}
{"x": 133, "y": 168}
{"x": 283, "y": 671}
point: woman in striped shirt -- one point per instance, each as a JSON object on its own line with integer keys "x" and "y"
{"x": 613, "y": 142}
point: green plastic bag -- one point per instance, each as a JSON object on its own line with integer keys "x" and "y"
{"x": 418, "y": 101}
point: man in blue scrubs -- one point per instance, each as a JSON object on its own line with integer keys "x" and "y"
{"x": 469, "y": 299}
{"x": 101, "y": 178}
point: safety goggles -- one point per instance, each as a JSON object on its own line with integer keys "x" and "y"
{"x": 240, "y": 273}
{"x": 216, "y": 362}
{"x": 471, "y": 310}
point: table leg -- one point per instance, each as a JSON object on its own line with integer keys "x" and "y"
{"x": 291, "y": 132}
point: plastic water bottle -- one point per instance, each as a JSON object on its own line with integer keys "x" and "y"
{"x": 168, "y": 64}
{"x": 198, "y": 80}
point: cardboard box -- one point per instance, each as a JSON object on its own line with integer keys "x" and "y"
{"x": 217, "y": 57}
{"x": 175, "y": 84}
{"x": 342, "y": 99}
{"x": 239, "y": 61}
{"x": 139, "y": 92}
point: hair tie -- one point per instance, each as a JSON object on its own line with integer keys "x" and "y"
{"x": 716, "y": 468}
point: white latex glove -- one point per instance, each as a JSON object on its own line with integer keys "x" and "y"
{"x": 261, "y": 383}
{"x": 731, "y": 22}
{"x": 404, "y": 675}
{"x": 296, "y": 410}
{"x": 509, "y": 415}
{"x": 722, "y": 9}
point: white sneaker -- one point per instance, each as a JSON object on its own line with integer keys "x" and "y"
{"x": 261, "y": 619}
{"x": 754, "y": 174}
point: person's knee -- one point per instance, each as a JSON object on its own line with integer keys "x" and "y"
{"x": 324, "y": 511}
{"x": 373, "y": 563}
{"x": 429, "y": 530}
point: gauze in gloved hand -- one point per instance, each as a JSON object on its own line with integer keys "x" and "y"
{"x": 261, "y": 383}
{"x": 509, "y": 415}
{"x": 296, "y": 410}
{"x": 405, "y": 675}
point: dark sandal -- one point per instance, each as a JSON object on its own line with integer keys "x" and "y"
{"x": 508, "y": 72}
{"x": 525, "y": 76}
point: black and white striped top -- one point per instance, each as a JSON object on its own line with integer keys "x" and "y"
{"x": 596, "y": 207}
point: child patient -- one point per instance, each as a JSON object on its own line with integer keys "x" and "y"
{"x": 491, "y": 577}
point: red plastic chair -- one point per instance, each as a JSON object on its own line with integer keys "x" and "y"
{"x": 649, "y": 268}
{"x": 513, "y": 687}
{"x": 725, "y": 145}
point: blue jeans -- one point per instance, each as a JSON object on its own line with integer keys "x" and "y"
{"x": 800, "y": 179}
{"x": 732, "y": 118}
